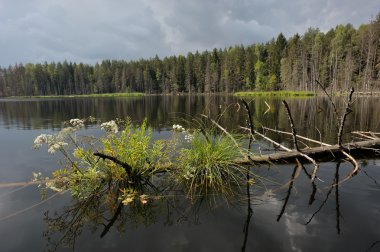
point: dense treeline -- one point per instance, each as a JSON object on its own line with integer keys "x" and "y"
{"x": 340, "y": 58}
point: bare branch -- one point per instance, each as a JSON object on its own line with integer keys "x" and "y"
{"x": 343, "y": 119}
{"x": 294, "y": 133}
{"x": 126, "y": 166}
{"x": 363, "y": 134}
{"x": 269, "y": 140}
{"x": 302, "y": 137}
{"x": 330, "y": 98}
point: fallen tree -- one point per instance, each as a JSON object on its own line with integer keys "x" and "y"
{"x": 369, "y": 147}
{"x": 360, "y": 149}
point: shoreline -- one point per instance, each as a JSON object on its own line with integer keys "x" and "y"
{"x": 282, "y": 93}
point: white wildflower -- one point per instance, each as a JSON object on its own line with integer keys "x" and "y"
{"x": 77, "y": 123}
{"x": 36, "y": 176}
{"x": 110, "y": 126}
{"x": 41, "y": 139}
{"x": 55, "y": 146}
{"x": 65, "y": 132}
{"x": 177, "y": 127}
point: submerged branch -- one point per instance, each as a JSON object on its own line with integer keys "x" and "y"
{"x": 28, "y": 208}
{"x": 112, "y": 221}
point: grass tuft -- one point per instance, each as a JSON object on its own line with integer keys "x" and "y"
{"x": 208, "y": 166}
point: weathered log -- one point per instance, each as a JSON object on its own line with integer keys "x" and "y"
{"x": 325, "y": 153}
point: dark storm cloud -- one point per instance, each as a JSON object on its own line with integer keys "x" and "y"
{"x": 78, "y": 31}
{"x": 92, "y": 30}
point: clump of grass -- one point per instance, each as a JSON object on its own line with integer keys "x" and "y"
{"x": 209, "y": 166}
{"x": 277, "y": 93}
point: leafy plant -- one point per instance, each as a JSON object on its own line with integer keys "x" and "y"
{"x": 201, "y": 160}
{"x": 115, "y": 161}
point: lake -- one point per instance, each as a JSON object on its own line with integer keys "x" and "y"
{"x": 296, "y": 216}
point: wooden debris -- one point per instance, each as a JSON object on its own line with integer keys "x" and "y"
{"x": 324, "y": 153}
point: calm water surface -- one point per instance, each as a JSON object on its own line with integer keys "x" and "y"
{"x": 315, "y": 217}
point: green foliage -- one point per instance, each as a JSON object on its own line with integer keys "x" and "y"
{"x": 339, "y": 58}
{"x": 278, "y": 93}
{"x": 261, "y": 78}
{"x": 135, "y": 94}
{"x": 85, "y": 174}
{"x": 126, "y": 161}
{"x": 135, "y": 147}
{"x": 272, "y": 82}
{"x": 209, "y": 165}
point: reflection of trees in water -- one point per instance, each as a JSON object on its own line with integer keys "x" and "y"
{"x": 337, "y": 205}
{"x": 373, "y": 245}
{"x": 103, "y": 213}
{"x": 335, "y": 184}
{"x": 162, "y": 111}
{"x": 333, "y": 189}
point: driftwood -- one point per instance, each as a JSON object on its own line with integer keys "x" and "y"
{"x": 369, "y": 147}
{"x": 324, "y": 153}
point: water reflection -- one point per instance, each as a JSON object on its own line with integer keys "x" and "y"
{"x": 65, "y": 227}
{"x": 307, "y": 222}
{"x": 173, "y": 223}
{"x": 105, "y": 216}
{"x": 313, "y": 117}
{"x": 334, "y": 185}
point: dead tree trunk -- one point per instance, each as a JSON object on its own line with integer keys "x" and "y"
{"x": 324, "y": 153}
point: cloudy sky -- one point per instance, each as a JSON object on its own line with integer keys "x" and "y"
{"x": 91, "y": 30}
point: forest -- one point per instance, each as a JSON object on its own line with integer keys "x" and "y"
{"x": 341, "y": 58}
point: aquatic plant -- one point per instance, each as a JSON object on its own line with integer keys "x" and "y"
{"x": 126, "y": 159}
{"x": 210, "y": 165}
{"x": 114, "y": 161}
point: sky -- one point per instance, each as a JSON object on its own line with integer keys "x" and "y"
{"x": 89, "y": 31}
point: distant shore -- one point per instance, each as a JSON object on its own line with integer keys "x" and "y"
{"x": 135, "y": 94}
{"x": 277, "y": 93}
{"x": 295, "y": 94}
